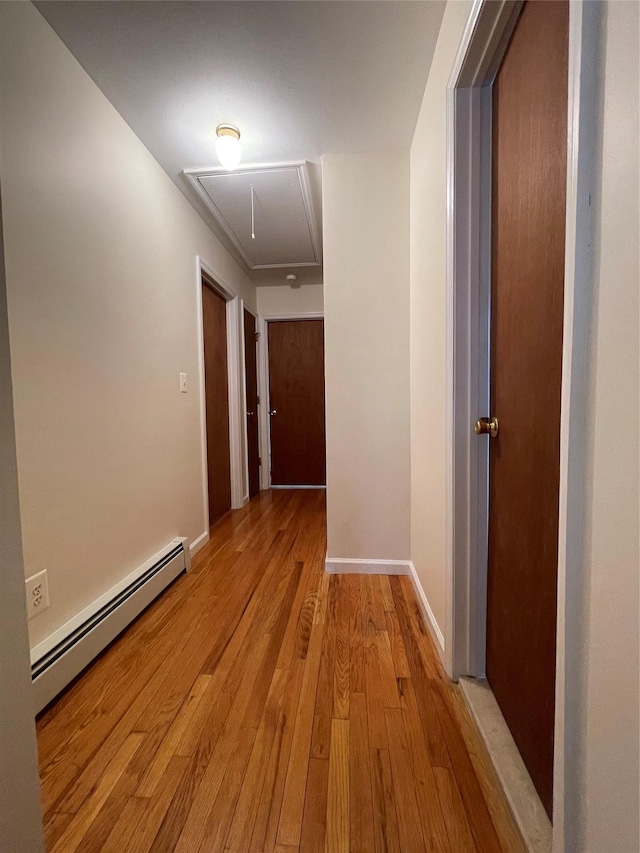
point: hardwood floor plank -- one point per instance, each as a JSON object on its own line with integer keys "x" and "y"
{"x": 79, "y": 826}
{"x": 361, "y": 799}
{"x": 446, "y": 744}
{"x": 338, "y": 813}
{"x": 264, "y": 678}
{"x": 290, "y": 824}
{"x": 268, "y": 813}
{"x": 227, "y": 749}
{"x": 409, "y": 827}
{"x": 119, "y": 833}
{"x": 420, "y": 683}
{"x": 314, "y": 821}
{"x": 67, "y": 780}
{"x": 55, "y": 826}
{"x": 358, "y": 634}
{"x": 149, "y": 819}
{"x": 433, "y": 816}
{"x": 83, "y": 768}
{"x": 241, "y": 830}
{"x": 207, "y": 765}
{"x": 460, "y": 838}
{"x": 376, "y": 615}
{"x": 221, "y": 812}
{"x": 174, "y": 820}
{"x": 321, "y": 738}
{"x": 254, "y": 583}
{"x": 118, "y": 801}
{"x": 501, "y": 817}
{"x": 290, "y": 642}
{"x": 113, "y": 671}
{"x": 341, "y": 690}
{"x": 104, "y": 682}
{"x": 375, "y": 702}
{"x": 398, "y": 651}
{"x": 385, "y": 821}
{"x": 262, "y": 705}
{"x": 482, "y": 828}
{"x": 429, "y": 656}
{"x": 387, "y": 595}
{"x": 171, "y": 742}
{"x": 388, "y": 683}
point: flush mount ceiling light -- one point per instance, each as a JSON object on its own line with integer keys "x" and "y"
{"x": 293, "y": 280}
{"x": 228, "y": 146}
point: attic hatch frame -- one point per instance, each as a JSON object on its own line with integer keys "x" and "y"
{"x": 300, "y": 166}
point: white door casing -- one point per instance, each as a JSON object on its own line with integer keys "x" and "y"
{"x": 469, "y": 99}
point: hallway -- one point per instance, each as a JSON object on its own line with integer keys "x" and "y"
{"x": 263, "y": 705}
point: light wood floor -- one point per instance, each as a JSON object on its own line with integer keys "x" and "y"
{"x": 262, "y": 705}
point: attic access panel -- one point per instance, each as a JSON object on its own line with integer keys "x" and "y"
{"x": 283, "y": 222}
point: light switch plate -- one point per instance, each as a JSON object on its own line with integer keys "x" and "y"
{"x": 183, "y": 383}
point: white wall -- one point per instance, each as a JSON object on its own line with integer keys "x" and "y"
{"x": 612, "y": 559}
{"x": 366, "y": 296}
{"x": 100, "y": 257}
{"x": 428, "y": 301}
{"x": 20, "y": 818}
{"x": 282, "y": 299}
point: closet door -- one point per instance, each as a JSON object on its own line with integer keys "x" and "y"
{"x": 296, "y": 402}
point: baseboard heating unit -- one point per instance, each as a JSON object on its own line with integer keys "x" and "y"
{"x": 61, "y": 657}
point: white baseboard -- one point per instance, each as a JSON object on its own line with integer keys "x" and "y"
{"x": 199, "y": 543}
{"x": 427, "y": 612}
{"x": 298, "y": 487}
{"x": 45, "y": 646}
{"x": 187, "y": 552}
{"x": 64, "y": 654}
{"x": 340, "y": 566}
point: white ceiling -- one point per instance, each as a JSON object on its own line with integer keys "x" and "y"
{"x": 300, "y": 79}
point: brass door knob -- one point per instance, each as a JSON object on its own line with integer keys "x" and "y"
{"x": 487, "y": 426}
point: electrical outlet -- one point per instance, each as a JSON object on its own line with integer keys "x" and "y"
{"x": 37, "y": 594}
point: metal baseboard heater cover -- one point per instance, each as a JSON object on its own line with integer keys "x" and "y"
{"x": 102, "y": 623}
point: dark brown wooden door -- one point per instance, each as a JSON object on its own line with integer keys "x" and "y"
{"x": 251, "y": 383}
{"x": 296, "y": 400}
{"x": 529, "y": 175}
{"x": 214, "y": 318}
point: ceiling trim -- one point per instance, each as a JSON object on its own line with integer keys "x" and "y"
{"x": 194, "y": 176}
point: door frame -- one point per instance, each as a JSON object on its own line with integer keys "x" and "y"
{"x": 468, "y": 248}
{"x": 237, "y": 437}
{"x": 243, "y": 369}
{"x": 263, "y": 385}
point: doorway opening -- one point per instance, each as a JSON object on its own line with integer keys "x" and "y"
{"x": 470, "y": 130}
{"x": 216, "y": 389}
{"x": 294, "y": 414}
{"x": 222, "y": 401}
{"x": 252, "y": 400}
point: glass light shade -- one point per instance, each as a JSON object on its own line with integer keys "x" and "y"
{"x": 228, "y": 149}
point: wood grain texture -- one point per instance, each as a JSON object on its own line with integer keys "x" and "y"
{"x": 225, "y": 717}
{"x": 216, "y": 383}
{"x": 337, "y": 837}
{"x": 296, "y": 393}
{"x": 527, "y": 291}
